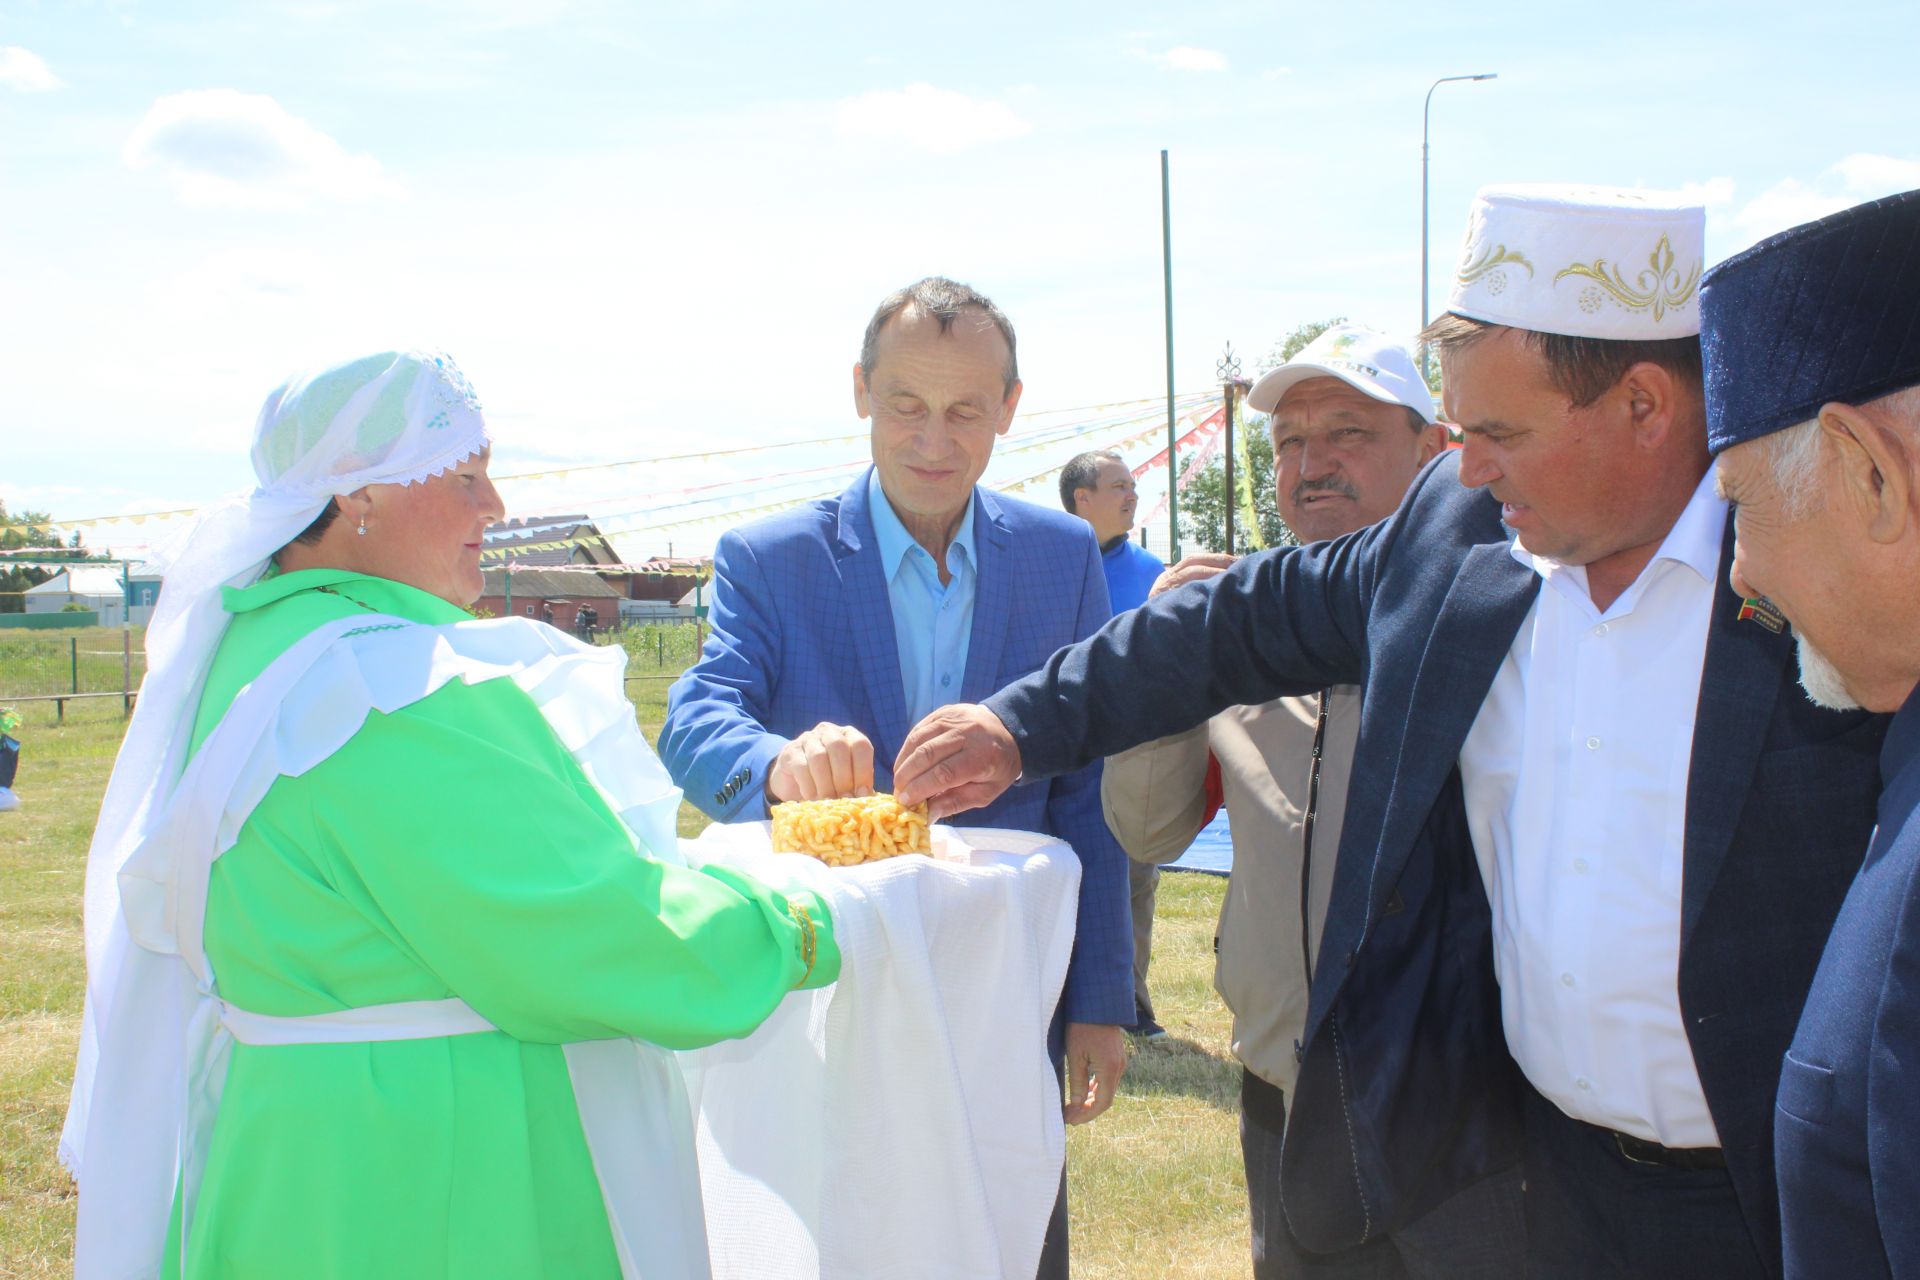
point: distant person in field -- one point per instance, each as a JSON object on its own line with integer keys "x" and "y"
{"x": 1098, "y": 487}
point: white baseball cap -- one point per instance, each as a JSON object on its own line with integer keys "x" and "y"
{"x": 1365, "y": 360}
{"x": 1588, "y": 262}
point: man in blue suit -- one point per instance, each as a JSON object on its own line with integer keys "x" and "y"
{"x": 1813, "y": 406}
{"x": 839, "y": 625}
{"x": 1576, "y": 912}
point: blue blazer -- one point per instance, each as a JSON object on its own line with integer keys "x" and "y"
{"x": 1847, "y": 1130}
{"x": 803, "y": 633}
{"x": 1405, "y": 1084}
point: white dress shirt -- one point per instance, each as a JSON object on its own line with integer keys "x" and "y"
{"x": 1576, "y": 787}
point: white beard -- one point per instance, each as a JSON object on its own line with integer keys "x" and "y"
{"x": 1821, "y": 679}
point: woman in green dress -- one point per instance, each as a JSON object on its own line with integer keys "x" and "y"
{"x": 384, "y": 912}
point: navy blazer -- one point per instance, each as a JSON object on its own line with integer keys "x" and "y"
{"x": 1848, "y": 1126}
{"x": 803, "y": 633}
{"x": 1406, "y": 1086}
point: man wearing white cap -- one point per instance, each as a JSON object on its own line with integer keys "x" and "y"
{"x": 1580, "y": 901}
{"x": 1352, "y": 424}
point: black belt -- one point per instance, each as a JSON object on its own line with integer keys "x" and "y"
{"x": 1641, "y": 1151}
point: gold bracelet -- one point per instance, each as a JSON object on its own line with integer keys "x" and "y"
{"x": 805, "y": 921}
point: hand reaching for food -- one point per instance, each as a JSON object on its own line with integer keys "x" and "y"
{"x": 825, "y": 762}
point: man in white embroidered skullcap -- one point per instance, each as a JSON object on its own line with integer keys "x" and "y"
{"x": 370, "y": 954}
{"x": 1603, "y": 832}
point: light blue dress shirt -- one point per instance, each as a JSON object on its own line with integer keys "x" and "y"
{"x": 932, "y": 624}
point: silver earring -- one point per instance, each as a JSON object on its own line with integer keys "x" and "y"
{"x": 363, "y": 527}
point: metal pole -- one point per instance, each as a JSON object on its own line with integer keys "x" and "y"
{"x": 73, "y": 660}
{"x": 1228, "y": 371}
{"x": 1233, "y": 494}
{"x": 1426, "y": 115}
{"x": 1173, "y": 460}
{"x": 1425, "y": 111}
{"x": 126, "y": 637}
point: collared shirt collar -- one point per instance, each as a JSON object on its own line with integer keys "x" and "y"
{"x": 1694, "y": 541}
{"x": 395, "y": 596}
{"x": 895, "y": 542}
{"x": 276, "y": 586}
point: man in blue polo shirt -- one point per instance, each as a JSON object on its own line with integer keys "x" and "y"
{"x": 1098, "y": 487}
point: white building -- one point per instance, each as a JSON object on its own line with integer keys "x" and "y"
{"x": 99, "y": 587}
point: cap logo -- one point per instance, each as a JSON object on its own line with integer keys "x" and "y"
{"x": 1660, "y": 285}
{"x": 1489, "y": 266}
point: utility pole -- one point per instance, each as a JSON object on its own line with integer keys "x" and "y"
{"x": 126, "y": 636}
{"x": 1173, "y": 457}
{"x": 1227, "y": 369}
{"x": 1426, "y": 116}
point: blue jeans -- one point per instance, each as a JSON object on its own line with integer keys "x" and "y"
{"x": 1478, "y": 1234}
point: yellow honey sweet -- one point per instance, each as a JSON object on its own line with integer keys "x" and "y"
{"x": 850, "y": 831}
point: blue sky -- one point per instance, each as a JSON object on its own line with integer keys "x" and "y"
{"x": 645, "y": 229}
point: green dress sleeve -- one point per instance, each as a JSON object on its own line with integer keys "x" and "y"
{"x": 462, "y": 824}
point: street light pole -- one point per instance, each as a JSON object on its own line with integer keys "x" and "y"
{"x": 1231, "y": 384}
{"x": 1426, "y": 115}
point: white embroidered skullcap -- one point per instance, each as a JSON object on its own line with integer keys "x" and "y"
{"x": 1588, "y": 262}
{"x": 394, "y": 418}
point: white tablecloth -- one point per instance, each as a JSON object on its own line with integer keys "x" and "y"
{"x": 904, "y": 1122}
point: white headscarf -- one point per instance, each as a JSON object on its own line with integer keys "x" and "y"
{"x": 394, "y": 418}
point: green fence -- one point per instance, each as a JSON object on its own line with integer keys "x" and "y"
{"x": 657, "y": 647}
{"x": 48, "y": 621}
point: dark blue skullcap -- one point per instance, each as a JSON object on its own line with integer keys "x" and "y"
{"x": 1828, "y": 310}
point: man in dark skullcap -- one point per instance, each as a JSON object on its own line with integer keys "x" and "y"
{"x": 1812, "y": 362}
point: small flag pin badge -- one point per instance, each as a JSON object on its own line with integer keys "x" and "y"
{"x": 1763, "y": 611}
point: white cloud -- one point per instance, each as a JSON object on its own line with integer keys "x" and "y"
{"x": 26, "y": 71}
{"x": 1874, "y": 176}
{"x": 1187, "y": 58}
{"x": 1712, "y": 193}
{"x": 1848, "y": 182}
{"x": 929, "y": 118}
{"x": 221, "y": 147}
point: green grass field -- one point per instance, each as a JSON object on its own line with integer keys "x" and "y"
{"x": 90, "y": 659}
{"x": 1156, "y": 1185}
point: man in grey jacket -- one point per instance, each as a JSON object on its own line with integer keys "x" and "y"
{"x": 1352, "y": 424}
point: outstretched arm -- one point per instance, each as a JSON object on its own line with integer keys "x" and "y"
{"x": 1283, "y": 622}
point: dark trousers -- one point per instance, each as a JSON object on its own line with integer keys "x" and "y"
{"x": 1143, "y": 885}
{"x": 1053, "y": 1253}
{"x": 1053, "y": 1250}
{"x": 1591, "y": 1212}
{"x": 1477, "y": 1234}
